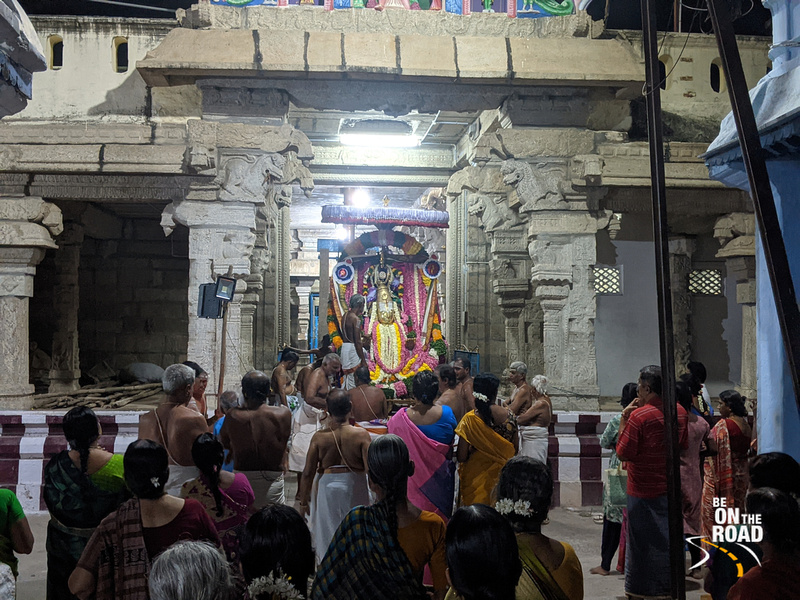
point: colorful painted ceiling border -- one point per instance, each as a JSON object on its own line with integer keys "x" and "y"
{"x": 530, "y": 9}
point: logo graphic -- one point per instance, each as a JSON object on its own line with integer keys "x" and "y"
{"x": 733, "y": 527}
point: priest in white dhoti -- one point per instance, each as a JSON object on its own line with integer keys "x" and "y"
{"x": 534, "y": 423}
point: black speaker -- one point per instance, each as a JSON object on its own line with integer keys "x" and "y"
{"x": 208, "y": 305}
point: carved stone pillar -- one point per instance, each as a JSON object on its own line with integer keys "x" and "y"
{"x": 283, "y": 288}
{"x": 562, "y": 279}
{"x": 510, "y": 266}
{"x": 249, "y": 195}
{"x": 255, "y": 285}
{"x": 26, "y": 226}
{"x": 65, "y": 371}
{"x": 221, "y": 235}
{"x": 736, "y": 235}
{"x": 455, "y": 301}
{"x": 680, "y": 264}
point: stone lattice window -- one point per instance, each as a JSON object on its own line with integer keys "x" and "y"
{"x": 706, "y": 282}
{"x": 607, "y": 280}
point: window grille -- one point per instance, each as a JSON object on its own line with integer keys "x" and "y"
{"x": 706, "y": 282}
{"x": 607, "y": 280}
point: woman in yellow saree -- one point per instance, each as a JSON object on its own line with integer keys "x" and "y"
{"x": 487, "y": 439}
{"x": 550, "y": 569}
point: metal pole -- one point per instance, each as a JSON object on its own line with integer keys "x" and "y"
{"x": 780, "y": 274}
{"x": 223, "y": 351}
{"x": 661, "y": 239}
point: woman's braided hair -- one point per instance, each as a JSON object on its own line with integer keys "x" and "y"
{"x": 80, "y": 427}
{"x": 208, "y": 455}
{"x": 528, "y": 480}
{"x": 389, "y": 468}
{"x": 485, "y": 384}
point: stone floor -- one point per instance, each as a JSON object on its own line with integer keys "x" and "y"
{"x": 573, "y": 526}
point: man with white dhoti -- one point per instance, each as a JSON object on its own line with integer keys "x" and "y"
{"x": 310, "y": 414}
{"x": 352, "y": 352}
{"x": 534, "y": 423}
{"x": 175, "y": 426}
{"x": 338, "y": 457}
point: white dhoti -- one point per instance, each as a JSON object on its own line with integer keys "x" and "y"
{"x": 350, "y": 362}
{"x": 267, "y": 487}
{"x": 178, "y": 475}
{"x": 332, "y": 497}
{"x": 305, "y": 423}
{"x": 533, "y": 442}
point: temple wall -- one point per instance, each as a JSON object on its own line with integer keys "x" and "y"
{"x": 716, "y": 324}
{"x": 133, "y": 298}
{"x": 626, "y": 328}
{"x": 88, "y": 85}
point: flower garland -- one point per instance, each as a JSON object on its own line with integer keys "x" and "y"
{"x": 333, "y": 328}
{"x": 389, "y": 360}
{"x": 506, "y": 506}
{"x": 273, "y": 587}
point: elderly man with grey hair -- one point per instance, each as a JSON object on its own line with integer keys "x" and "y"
{"x": 191, "y": 571}
{"x": 534, "y": 421}
{"x": 175, "y": 426}
{"x": 520, "y": 399}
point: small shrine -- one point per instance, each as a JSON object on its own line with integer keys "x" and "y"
{"x": 401, "y": 325}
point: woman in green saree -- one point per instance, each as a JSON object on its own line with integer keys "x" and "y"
{"x": 550, "y": 569}
{"x": 81, "y": 486}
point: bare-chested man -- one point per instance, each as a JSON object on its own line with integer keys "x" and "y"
{"x": 534, "y": 423}
{"x": 281, "y": 378}
{"x": 306, "y": 419}
{"x": 369, "y": 402}
{"x": 175, "y": 426}
{"x": 338, "y": 455}
{"x": 462, "y": 367}
{"x": 448, "y": 391}
{"x": 352, "y": 351}
{"x": 521, "y": 398}
{"x": 319, "y": 353}
{"x": 256, "y": 436}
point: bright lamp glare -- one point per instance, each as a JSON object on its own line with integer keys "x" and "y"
{"x": 342, "y": 233}
{"x": 361, "y": 197}
{"x": 379, "y": 140}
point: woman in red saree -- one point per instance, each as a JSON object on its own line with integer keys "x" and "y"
{"x": 726, "y": 473}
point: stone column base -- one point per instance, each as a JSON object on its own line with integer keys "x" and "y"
{"x": 64, "y": 381}
{"x": 20, "y": 398}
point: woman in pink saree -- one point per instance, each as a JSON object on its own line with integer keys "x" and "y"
{"x": 428, "y": 430}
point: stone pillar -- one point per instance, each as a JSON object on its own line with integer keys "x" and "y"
{"x": 562, "y": 279}
{"x": 680, "y": 264}
{"x": 221, "y": 235}
{"x": 255, "y": 285}
{"x": 26, "y": 226}
{"x": 283, "y": 289}
{"x": 65, "y": 371}
{"x": 455, "y": 302}
{"x": 736, "y": 234}
{"x": 510, "y": 266}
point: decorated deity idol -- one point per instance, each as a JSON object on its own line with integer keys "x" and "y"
{"x": 401, "y": 317}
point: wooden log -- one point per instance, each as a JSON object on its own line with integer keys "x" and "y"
{"x": 87, "y": 391}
